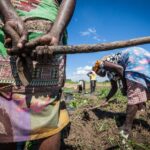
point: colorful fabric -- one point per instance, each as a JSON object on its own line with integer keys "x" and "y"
{"x": 18, "y": 122}
{"x": 35, "y": 111}
{"x": 136, "y": 63}
{"x": 45, "y": 9}
{"x": 99, "y": 66}
{"x": 136, "y": 93}
{"x": 48, "y": 74}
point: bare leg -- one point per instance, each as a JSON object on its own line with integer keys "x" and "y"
{"x": 51, "y": 143}
{"x": 130, "y": 115}
{"x": 8, "y": 146}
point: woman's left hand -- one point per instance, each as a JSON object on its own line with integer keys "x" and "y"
{"x": 47, "y": 39}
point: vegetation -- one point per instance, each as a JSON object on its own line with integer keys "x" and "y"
{"x": 95, "y": 127}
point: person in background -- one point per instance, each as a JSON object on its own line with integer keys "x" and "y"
{"x": 30, "y": 83}
{"x": 92, "y": 76}
{"x": 81, "y": 86}
{"x": 132, "y": 67}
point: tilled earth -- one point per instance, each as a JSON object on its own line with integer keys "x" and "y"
{"x": 97, "y": 128}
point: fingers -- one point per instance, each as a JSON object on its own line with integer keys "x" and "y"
{"x": 44, "y": 40}
{"x": 7, "y": 42}
{"x": 23, "y": 35}
{"x": 22, "y": 40}
{"x": 11, "y": 33}
{"x": 33, "y": 43}
{"x": 14, "y": 37}
{"x": 42, "y": 53}
{"x": 43, "y": 50}
{"x": 54, "y": 41}
{"x": 17, "y": 32}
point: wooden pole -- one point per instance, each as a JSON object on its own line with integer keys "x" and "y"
{"x": 89, "y": 48}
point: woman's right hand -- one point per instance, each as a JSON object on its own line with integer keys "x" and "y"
{"x": 16, "y": 33}
{"x": 104, "y": 103}
{"x": 14, "y": 28}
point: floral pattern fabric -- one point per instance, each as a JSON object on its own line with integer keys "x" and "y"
{"x": 115, "y": 58}
{"x": 136, "y": 62}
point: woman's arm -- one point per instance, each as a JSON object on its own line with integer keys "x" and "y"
{"x": 65, "y": 13}
{"x": 7, "y": 11}
{"x": 113, "y": 90}
{"x": 13, "y": 25}
{"x": 111, "y": 93}
{"x": 115, "y": 68}
{"x": 120, "y": 71}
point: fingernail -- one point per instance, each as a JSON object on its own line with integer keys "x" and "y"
{"x": 19, "y": 45}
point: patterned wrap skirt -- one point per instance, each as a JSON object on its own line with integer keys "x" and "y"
{"x": 35, "y": 111}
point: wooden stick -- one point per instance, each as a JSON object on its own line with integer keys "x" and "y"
{"x": 90, "y": 48}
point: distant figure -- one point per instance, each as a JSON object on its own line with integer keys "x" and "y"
{"x": 81, "y": 86}
{"x": 92, "y": 76}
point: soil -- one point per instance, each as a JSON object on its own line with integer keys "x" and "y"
{"x": 98, "y": 128}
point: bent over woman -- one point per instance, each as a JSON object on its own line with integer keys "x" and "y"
{"x": 132, "y": 67}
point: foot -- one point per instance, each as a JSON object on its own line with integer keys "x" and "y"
{"x": 125, "y": 130}
{"x": 125, "y": 142}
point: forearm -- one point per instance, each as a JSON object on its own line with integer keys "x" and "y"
{"x": 6, "y": 10}
{"x": 115, "y": 68}
{"x": 64, "y": 15}
{"x": 111, "y": 93}
{"x": 124, "y": 87}
{"x": 113, "y": 90}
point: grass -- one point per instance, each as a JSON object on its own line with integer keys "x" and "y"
{"x": 81, "y": 100}
{"x": 106, "y": 126}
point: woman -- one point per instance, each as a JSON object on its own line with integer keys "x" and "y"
{"x": 31, "y": 108}
{"x": 132, "y": 67}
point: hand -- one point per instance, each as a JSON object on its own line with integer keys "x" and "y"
{"x": 48, "y": 39}
{"x": 41, "y": 51}
{"x": 103, "y": 103}
{"x": 16, "y": 34}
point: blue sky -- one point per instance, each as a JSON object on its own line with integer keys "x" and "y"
{"x": 98, "y": 21}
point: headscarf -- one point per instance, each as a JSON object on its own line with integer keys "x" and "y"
{"x": 99, "y": 65}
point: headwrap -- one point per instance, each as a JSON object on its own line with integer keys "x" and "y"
{"x": 99, "y": 65}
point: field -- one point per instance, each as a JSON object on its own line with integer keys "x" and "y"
{"x": 96, "y": 128}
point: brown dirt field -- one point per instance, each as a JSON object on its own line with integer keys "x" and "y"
{"x": 97, "y": 129}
